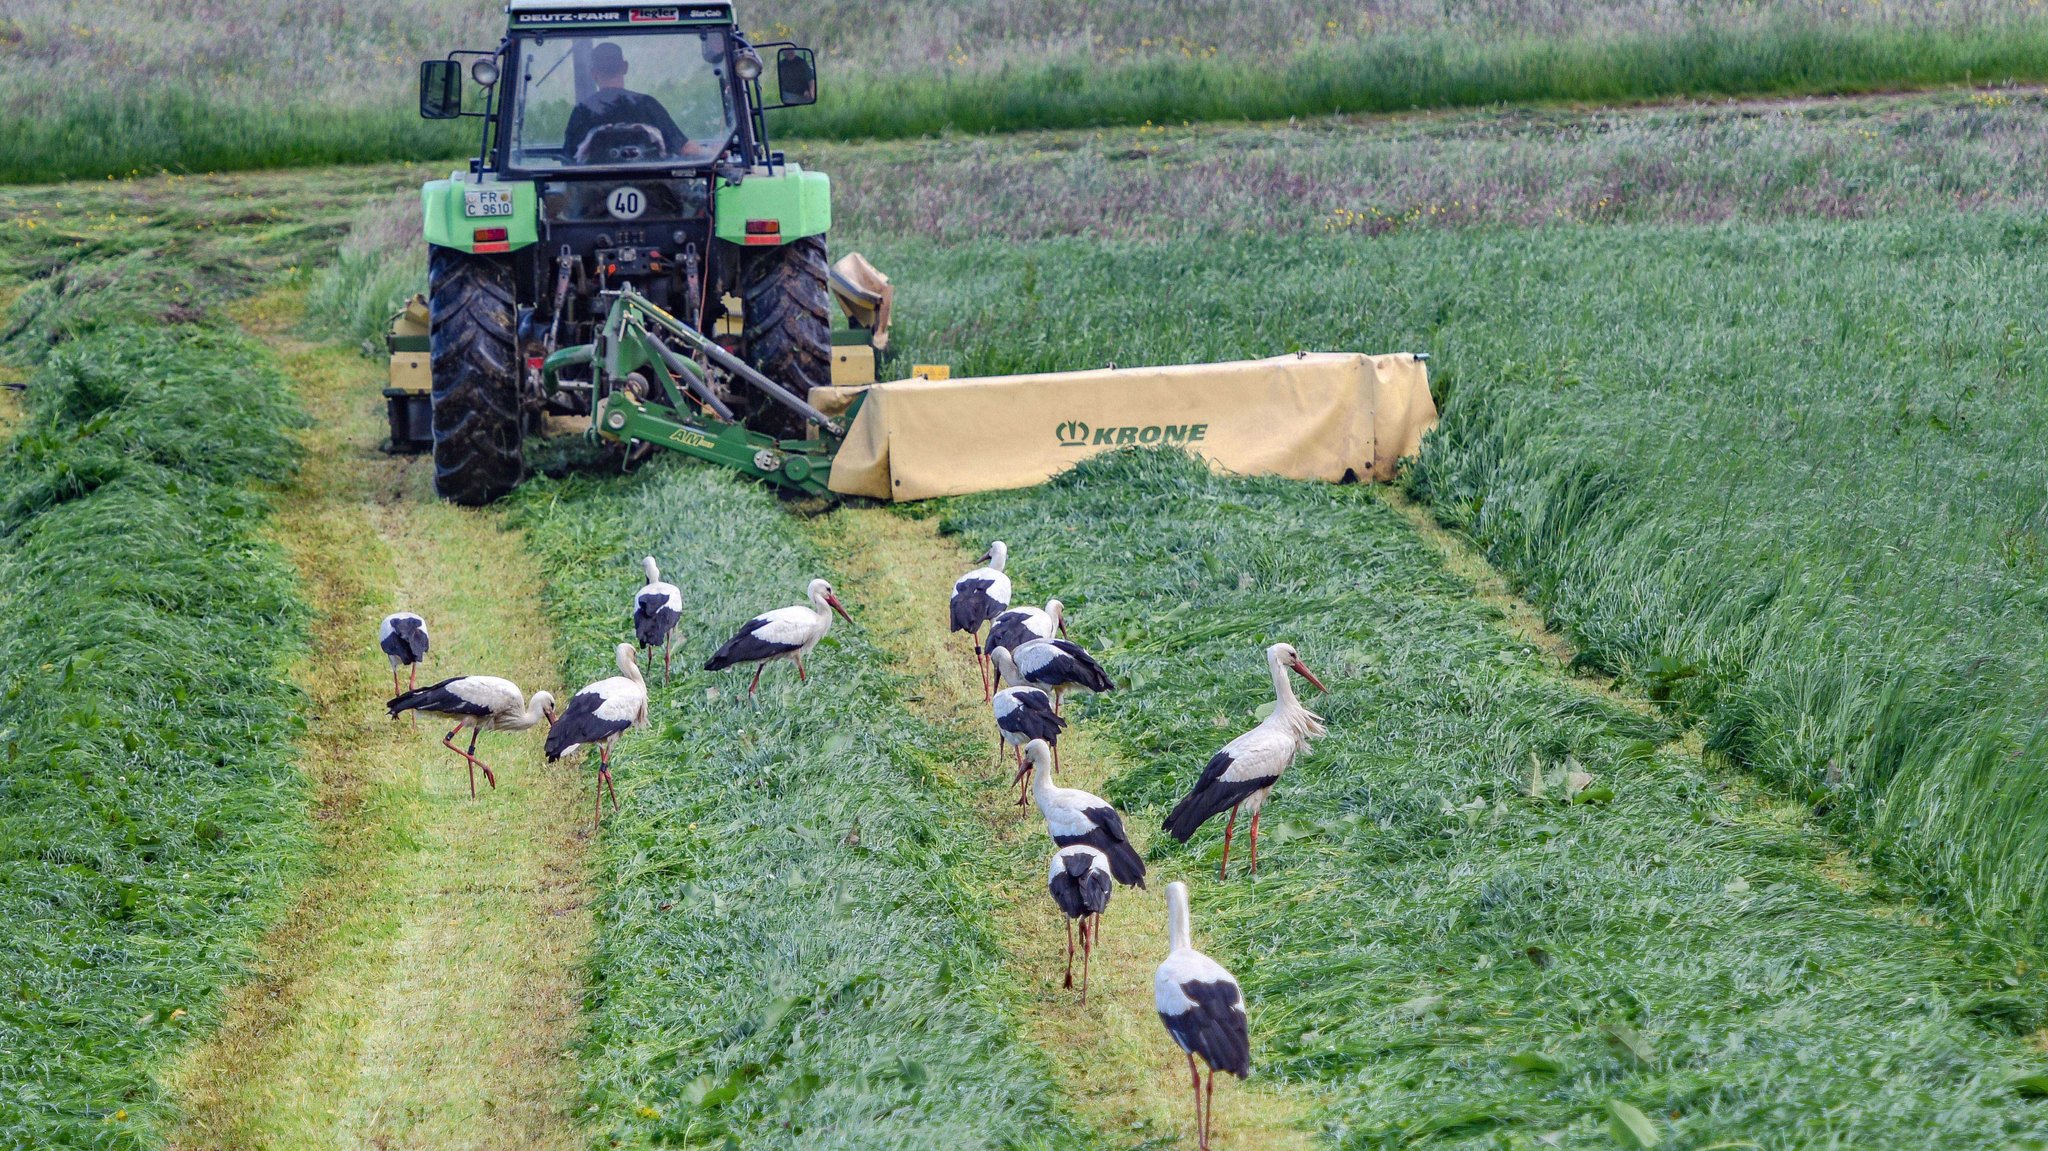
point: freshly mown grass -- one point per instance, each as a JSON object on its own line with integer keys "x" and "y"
{"x": 789, "y": 953}
{"x": 150, "y": 809}
{"x": 1449, "y": 960}
{"x": 1784, "y": 477}
{"x": 258, "y": 84}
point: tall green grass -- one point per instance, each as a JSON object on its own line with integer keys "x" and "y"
{"x": 1785, "y": 477}
{"x": 790, "y": 950}
{"x": 1445, "y": 959}
{"x": 65, "y": 127}
{"x": 150, "y": 811}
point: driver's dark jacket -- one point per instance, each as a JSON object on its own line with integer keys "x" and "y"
{"x": 619, "y": 106}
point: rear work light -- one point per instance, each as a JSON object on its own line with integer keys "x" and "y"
{"x": 491, "y": 240}
{"x": 764, "y": 232}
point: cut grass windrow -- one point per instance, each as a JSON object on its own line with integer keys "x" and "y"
{"x": 1448, "y": 957}
{"x": 793, "y": 948}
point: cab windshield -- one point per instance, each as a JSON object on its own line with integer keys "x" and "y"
{"x": 612, "y": 100}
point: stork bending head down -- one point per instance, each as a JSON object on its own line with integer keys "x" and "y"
{"x": 480, "y": 703}
{"x": 1244, "y": 772}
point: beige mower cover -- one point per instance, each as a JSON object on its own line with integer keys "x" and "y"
{"x": 1311, "y": 416}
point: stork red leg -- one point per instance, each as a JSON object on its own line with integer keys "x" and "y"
{"x": 1087, "y": 950}
{"x": 1208, "y": 1107}
{"x": 448, "y": 741}
{"x": 1255, "y": 843}
{"x": 413, "y": 680}
{"x": 488, "y": 777}
{"x": 667, "y": 650}
{"x": 758, "y": 669}
{"x": 1069, "y": 984}
{"x": 974, "y": 645}
{"x": 396, "y": 691}
{"x": 800, "y": 676}
{"x": 1196, "y": 1077}
{"x": 1230, "y": 825}
{"x": 597, "y": 809}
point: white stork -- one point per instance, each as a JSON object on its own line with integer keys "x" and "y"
{"x": 1021, "y": 625}
{"x": 403, "y": 638}
{"x": 656, "y": 608}
{"x": 480, "y": 703}
{"x": 1202, "y": 1007}
{"x": 1074, "y": 816}
{"x": 785, "y": 633}
{"x": 599, "y": 714}
{"x": 1059, "y": 666}
{"x": 1023, "y": 713}
{"x": 1080, "y": 882}
{"x": 978, "y": 598}
{"x": 1244, "y": 772}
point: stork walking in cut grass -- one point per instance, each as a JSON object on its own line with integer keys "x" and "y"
{"x": 403, "y": 638}
{"x": 785, "y": 633}
{"x": 1202, "y": 1008}
{"x": 600, "y": 714}
{"x": 1021, "y": 625}
{"x": 1074, "y": 816}
{"x": 656, "y": 608}
{"x": 1059, "y": 666}
{"x": 979, "y": 597}
{"x": 1023, "y": 713}
{"x": 1242, "y": 775}
{"x": 1080, "y": 882}
{"x": 480, "y": 703}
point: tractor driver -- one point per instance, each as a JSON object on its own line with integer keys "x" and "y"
{"x": 614, "y": 103}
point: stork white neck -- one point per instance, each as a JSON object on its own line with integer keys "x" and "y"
{"x": 629, "y": 662}
{"x": 1057, "y": 612}
{"x": 1283, "y": 683}
{"x": 1006, "y": 668}
{"x": 998, "y": 554}
{"x": 537, "y": 709}
{"x": 1041, "y": 770}
{"x": 653, "y": 572}
{"x": 1180, "y": 935}
{"x": 819, "y": 589}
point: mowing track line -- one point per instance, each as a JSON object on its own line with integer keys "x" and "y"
{"x": 1119, "y": 1069}
{"x": 425, "y": 991}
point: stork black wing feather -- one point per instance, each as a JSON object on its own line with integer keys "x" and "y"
{"x": 1215, "y": 1027}
{"x": 407, "y": 642}
{"x": 653, "y": 619}
{"x": 436, "y": 697}
{"x": 1085, "y": 671}
{"x": 1067, "y": 892}
{"x": 1034, "y": 719}
{"x": 1008, "y": 632}
{"x": 1211, "y": 796}
{"x": 581, "y": 724}
{"x": 747, "y": 647}
{"x": 1108, "y": 837}
{"x": 971, "y": 606}
{"x": 1095, "y": 891}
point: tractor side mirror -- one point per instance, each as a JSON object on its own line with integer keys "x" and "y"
{"x": 796, "y": 77}
{"x": 440, "y": 90}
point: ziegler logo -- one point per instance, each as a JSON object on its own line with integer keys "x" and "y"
{"x": 1075, "y": 434}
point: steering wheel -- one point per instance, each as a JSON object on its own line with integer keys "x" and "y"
{"x": 621, "y": 144}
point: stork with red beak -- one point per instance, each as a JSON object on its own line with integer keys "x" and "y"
{"x": 785, "y": 633}
{"x": 1244, "y": 772}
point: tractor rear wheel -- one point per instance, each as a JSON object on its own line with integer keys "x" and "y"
{"x": 478, "y": 432}
{"x": 788, "y": 325}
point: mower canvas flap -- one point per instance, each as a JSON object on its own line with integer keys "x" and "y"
{"x": 1324, "y": 416}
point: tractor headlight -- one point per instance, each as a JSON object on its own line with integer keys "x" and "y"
{"x": 748, "y": 65}
{"x": 484, "y": 72}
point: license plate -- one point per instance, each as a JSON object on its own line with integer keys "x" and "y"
{"x": 487, "y": 202}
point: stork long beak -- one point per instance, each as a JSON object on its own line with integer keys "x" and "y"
{"x": 548, "y": 713}
{"x": 1309, "y": 675}
{"x": 984, "y": 557}
{"x": 834, "y": 601}
{"x": 1063, "y": 628}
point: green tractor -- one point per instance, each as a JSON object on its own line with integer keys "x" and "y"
{"x": 623, "y": 155}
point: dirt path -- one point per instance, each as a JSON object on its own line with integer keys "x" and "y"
{"x": 1118, "y": 1067}
{"x": 425, "y": 992}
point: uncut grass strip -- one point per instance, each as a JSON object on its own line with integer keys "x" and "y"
{"x": 1450, "y": 961}
{"x": 790, "y": 952}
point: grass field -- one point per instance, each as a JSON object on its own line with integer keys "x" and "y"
{"x": 791, "y": 951}
{"x": 91, "y": 90}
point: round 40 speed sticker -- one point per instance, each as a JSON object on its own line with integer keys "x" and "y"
{"x": 626, "y": 203}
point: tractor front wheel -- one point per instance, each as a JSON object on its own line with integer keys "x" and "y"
{"x": 478, "y": 430}
{"x": 788, "y": 325}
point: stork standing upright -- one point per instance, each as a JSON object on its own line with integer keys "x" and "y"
{"x": 1021, "y": 625}
{"x": 403, "y": 638}
{"x": 599, "y": 714}
{"x": 1080, "y": 882}
{"x": 1074, "y": 816}
{"x": 1023, "y": 713}
{"x": 1202, "y": 1007}
{"x": 979, "y": 597}
{"x": 656, "y": 608}
{"x": 480, "y": 703}
{"x": 785, "y": 633}
{"x": 1244, "y": 772}
{"x": 1059, "y": 666}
